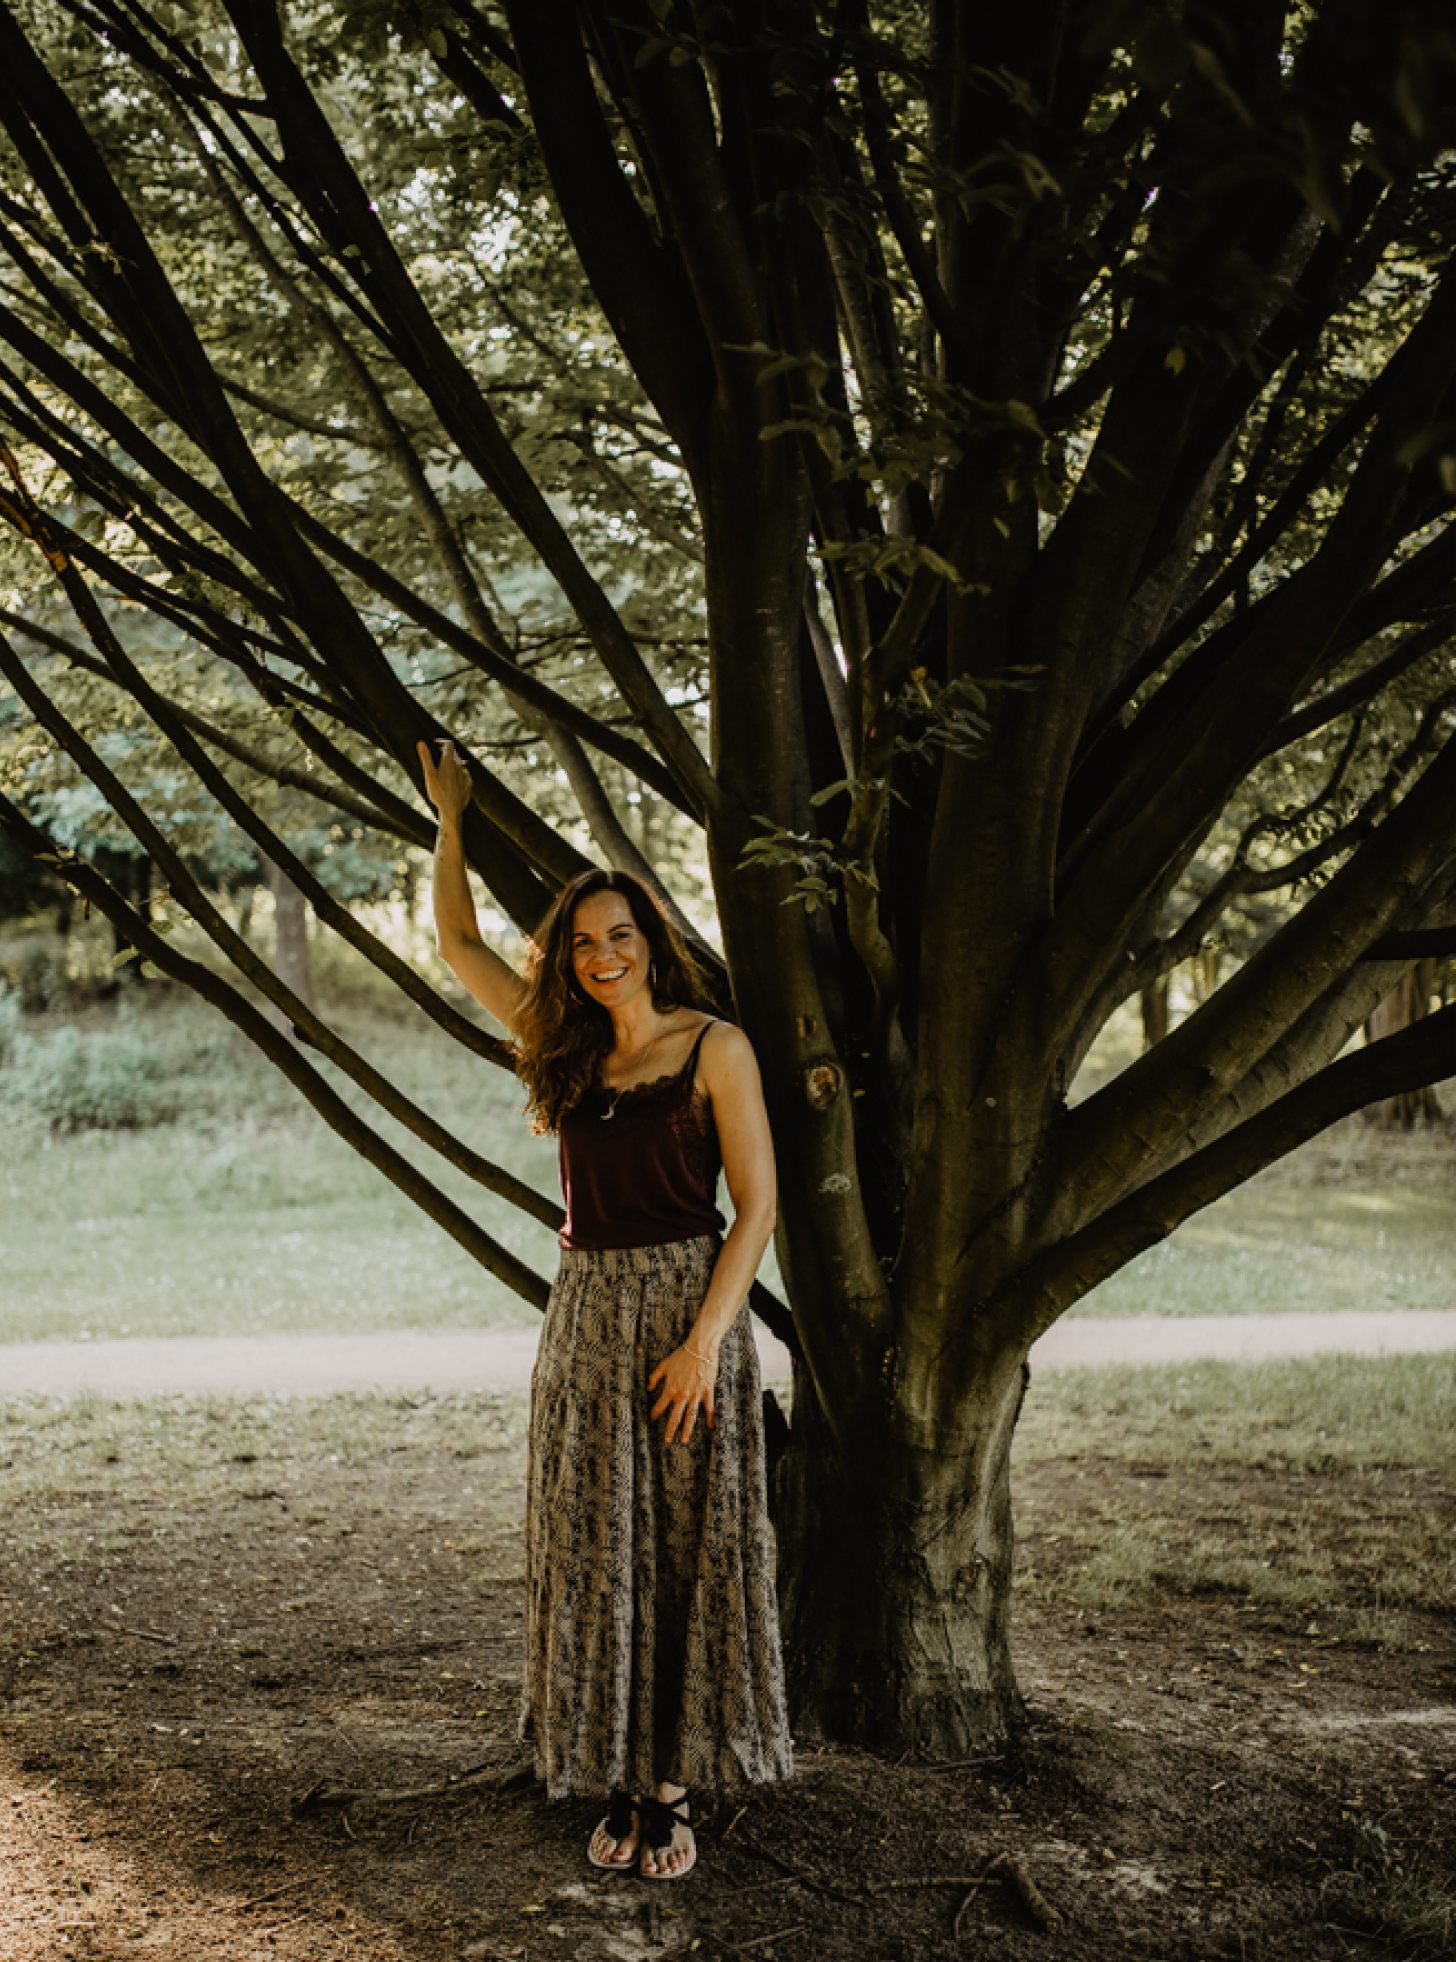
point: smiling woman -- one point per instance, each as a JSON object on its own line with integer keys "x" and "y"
{"x": 652, "y": 1647}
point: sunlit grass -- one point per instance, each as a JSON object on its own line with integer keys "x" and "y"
{"x": 249, "y": 1213}
{"x": 1320, "y": 1486}
{"x": 1304, "y": 1414}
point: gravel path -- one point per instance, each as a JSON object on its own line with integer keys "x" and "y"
{"x": 457, "y": 1359}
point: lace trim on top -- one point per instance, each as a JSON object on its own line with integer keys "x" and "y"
{"x": 659, "y": 1099}
{"x": 632, "y": 1099}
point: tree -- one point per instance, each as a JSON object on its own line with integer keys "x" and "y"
{"x": 1043, "y": 412}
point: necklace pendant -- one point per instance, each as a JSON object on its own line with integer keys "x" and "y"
{"x": 612, "y": 1111}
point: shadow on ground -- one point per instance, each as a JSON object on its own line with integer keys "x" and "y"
{"x": 187, "y": 1657}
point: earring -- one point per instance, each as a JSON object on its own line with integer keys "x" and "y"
{"x": 652, "y": 974}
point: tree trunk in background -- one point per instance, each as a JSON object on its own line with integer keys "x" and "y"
{"x": 1154, "y": 999}
{"x": 290, "y": 928}
{"x": 1407, "y": 1004}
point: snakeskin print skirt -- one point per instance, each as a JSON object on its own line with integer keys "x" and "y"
{"x": 652, "y": 1634}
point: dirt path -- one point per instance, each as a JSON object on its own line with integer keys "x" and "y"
{"x": 466, "y": 1359}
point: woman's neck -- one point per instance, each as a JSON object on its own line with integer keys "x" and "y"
{"x": 636, "y": 1025}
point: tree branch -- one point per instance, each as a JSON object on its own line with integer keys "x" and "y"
{"x": 418, "y": 832}
{"x": 281, "y": 1051}
{"x": 311, "y": 1027}
{"x": 1416, "y": 1056}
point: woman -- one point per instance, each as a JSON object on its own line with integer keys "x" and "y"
{"x": 652, "y": 1659}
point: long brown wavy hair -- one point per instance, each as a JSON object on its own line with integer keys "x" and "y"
{"x": 562, "y": 1036}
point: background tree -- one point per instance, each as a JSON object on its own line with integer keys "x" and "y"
{"x": 978, "y": 467}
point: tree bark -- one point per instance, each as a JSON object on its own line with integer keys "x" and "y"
{"x": 896, "y": 1596}
{"x": 1402, "y": 1008}
{"x": 1154, "y": 1003}
{"x": 291, "y": 960}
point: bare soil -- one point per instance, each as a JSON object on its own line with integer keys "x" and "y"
{"x": 1198, "y": 1777}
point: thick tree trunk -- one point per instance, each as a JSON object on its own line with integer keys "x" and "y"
{"x": 290, "y": 930}
{"x": 1403, "y": 1006}
{"x": 895, "y": 1590}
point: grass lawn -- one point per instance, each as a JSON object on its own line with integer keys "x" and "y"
{"x": 210, "y": 1200}
{"x": 242, "y": 1210}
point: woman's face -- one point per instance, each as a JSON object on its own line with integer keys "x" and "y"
{"x": 610, "y": 955}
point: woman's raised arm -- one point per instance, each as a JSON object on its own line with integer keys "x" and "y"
{"x": 492, "y": 981}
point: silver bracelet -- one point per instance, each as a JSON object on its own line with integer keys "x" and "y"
{"x": 711, "y": 1360}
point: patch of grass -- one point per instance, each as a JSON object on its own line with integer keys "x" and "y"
{"x": 1400, "y": 1897}
{"x": 1321, "y": 1487}
{"x": 178, "y": 1452}
{"x": 1381, "y": 1627}
{"x": 1356, "y": 1220}
{"x": 1302, "y": 1413}
{"x": 248, "y": 1213}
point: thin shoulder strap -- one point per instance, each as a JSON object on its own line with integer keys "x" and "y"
{"x": 691, "y": 1066}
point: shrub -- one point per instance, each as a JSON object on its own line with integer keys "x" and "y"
{"x": 113, "y": 1080}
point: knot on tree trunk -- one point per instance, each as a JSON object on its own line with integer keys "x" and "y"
{"x": 823, "y": 1081}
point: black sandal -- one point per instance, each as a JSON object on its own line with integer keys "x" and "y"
{"x": 621, "y": 1817}
{"x": 659, "y": 1819}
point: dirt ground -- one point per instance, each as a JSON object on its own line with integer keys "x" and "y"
{"x": 1198, "y": 1778}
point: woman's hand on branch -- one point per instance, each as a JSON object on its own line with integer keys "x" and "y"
{"x": 684, "y": 1384}
{"x": 447, "y": 782}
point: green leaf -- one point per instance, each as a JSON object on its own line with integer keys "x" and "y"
{"x": 832, "y": 790}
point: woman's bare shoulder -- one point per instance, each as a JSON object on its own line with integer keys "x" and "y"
{"x": 726, "y": 1055}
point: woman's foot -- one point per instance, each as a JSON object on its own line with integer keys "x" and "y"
{"x": 669, "y": 1851}
{"x": 614, "y": 1843}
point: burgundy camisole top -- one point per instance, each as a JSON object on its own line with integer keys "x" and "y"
{"x": 639, "y": 1167}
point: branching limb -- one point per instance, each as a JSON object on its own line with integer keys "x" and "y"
{"x": 321, "y": 175}
{"x": 1196, "y": 1069}
{"x": 1417, "y": 1056}
{"x": 311, "y": 783}
{"x": 94, "y": 623}
{"x": 919, "y": 261}
{"x": 651, "y": 518}
{"x": 1360, "y": 688}
{"x": 280, "y": 1050}
{"x": 311, "y": 1027}
{"x": 532, "y": 693}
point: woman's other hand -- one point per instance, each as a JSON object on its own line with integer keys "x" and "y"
{"x": 684, "y": 1384}
{"x": 447, "y": 781}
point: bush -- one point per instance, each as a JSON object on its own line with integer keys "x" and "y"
{"x": 113, "y": 1080}
{"x": 9, "y": 1021}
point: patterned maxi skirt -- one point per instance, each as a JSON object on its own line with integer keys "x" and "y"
{"x": 652, "y": 1640}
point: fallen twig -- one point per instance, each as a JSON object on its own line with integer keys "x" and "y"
{"x": 971, "y": 1892}
{"x": 930, "y": 1880}
{"x": 346, "y": 1737}
{"x": 1004, "y": 1867}
{"x": 962, "y": 1764}
{"x": 796, "y": 1873}
{"x": 512, "y": 1777}
{"x": 777, "y": 1936}
{"x": 146, "y": 1635}
{"x": 260, "y": 1900}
